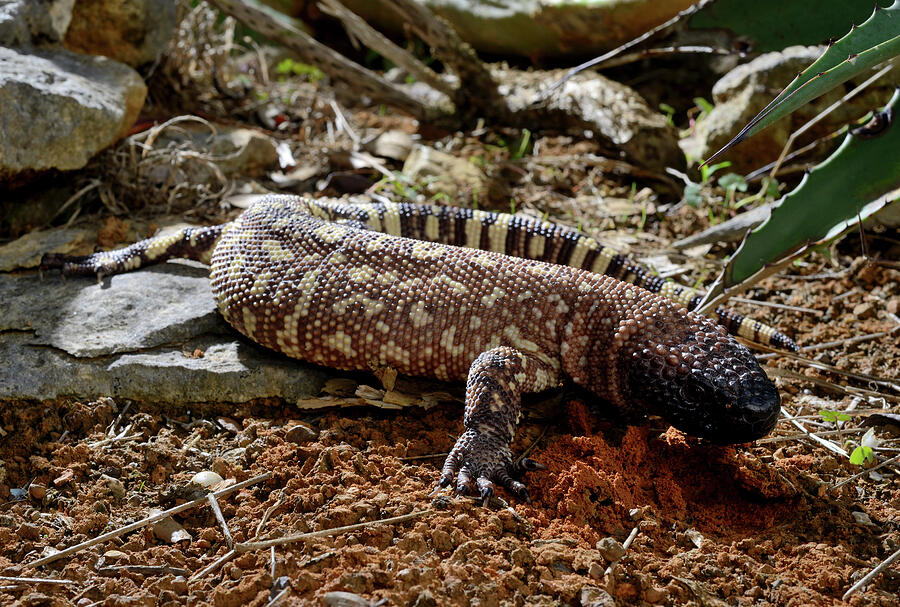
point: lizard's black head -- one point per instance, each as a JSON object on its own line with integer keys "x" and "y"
{"x": 705, "y": 384}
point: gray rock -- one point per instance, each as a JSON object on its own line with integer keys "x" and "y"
{"x": 152, "y": 335}
{"x": 443, "y": 173}
{"x": 237, "y": 151}
{"x": 26, "y": 252}
{"x": 160, "y": 305}
{"x": 614, "y": 113}
{"x": 134, "y": 32}
{"x": 537, "y": 28}
{"x": 25, "y": 21}
{"x": 592, "y": 596}
{"x": 610, "y": 549}
{"x": 743, "y": 92}
{"x": 60, "y": 108}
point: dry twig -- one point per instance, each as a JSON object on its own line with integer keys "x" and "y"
{"x": 869, "y": 576}
{"x": 289, "y": 539}
{"x": 145, "y": 521}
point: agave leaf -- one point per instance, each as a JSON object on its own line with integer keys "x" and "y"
{"x": 798, "y": 21}
{"x": 860, "y": 178}
{"x": 875, "y": 41}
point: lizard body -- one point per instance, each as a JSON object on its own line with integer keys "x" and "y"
{"x": 348, "y": 287}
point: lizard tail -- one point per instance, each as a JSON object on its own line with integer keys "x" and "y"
{"x": 186, "y": 243}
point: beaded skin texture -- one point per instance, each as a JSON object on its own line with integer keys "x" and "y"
{"x": 382, "y": 284}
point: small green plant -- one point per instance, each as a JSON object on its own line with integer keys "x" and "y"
{"x": 669, "y": 111}
{"x": 835, "y": 417}
{"x": 861, "y": 455}
{"x": 289, "y": 67}
{"x": 865, "y": 451}
{"x": 733, "y": 183}
{"x": 692, "y": 190}
{"x": 705, "y": 106}
{"x": 524, "y": 144}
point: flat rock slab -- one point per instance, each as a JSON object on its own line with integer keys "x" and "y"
{"x": 152, "y": 335}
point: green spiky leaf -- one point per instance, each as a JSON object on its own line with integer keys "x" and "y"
{"x": 875, "y": 41}
{"x": 860, "y": 178}
{"x": 803, "y": 22}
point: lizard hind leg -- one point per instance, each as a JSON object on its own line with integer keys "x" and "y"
{"x": 481, "y": 457}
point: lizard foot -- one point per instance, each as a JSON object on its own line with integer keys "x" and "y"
{"x": 479, "y": 462}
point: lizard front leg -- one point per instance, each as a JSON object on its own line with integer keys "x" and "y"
{"x": 482, "y": 456}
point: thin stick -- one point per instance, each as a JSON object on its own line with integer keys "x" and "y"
{"x": 376, "y": 41}
{"x": 831, "y": 344}
{"x": 229, "y": 541}
{"x": 789, "y": 437}
{"x": 37, "y": 580}
{"x": 289, "y": 539}
{"x": 146, "y": 521}
{"x": 626, "y": 545}
{"x": 825, "y": 443}
{"x": 330, "y": 61}
{"x": 886, "y": 462}
{"x": 772, "y": 304}
{"x": 232, "y": 553}
{"x": 630, "y": 539}
{"x": 837, "y": 370}
{"x": 868, "y": 577}
{"x": 214, "y": 565}
{"x": 862, "y": 392}
{"x": 533, "y": 444}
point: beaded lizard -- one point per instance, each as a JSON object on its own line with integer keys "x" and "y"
{"x": 388, "y": 284}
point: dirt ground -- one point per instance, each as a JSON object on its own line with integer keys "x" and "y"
{"x": 749, "y": 525}
{"x": 639, "y": 515}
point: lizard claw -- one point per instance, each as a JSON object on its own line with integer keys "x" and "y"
{"x": 529, "y": 465}
{"x": 480, "y": 462}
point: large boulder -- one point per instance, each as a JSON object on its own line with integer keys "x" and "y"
{"x": 537, "y": 28}
{"x": 59, "y": 108}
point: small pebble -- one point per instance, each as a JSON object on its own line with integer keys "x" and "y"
{"x": 344, "y": 599}
{"x": 864, "y": 310}
{"x": 179, "y": 585}
{"x": 206, "y": 478}
{"x": 114, "y": 555}
{"x": 611, "y": 549}
{"x": 37, "y": 491}
{"x": 115, "y": 486}
{"x": 63, "y": 478}
{"x": 300, "y": 434}
{"x": 861, "y": 518}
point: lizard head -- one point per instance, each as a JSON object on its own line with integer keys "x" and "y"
{"x": 706, "y": 384}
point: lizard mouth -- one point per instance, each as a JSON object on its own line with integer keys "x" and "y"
{"x": 747, "y": 417}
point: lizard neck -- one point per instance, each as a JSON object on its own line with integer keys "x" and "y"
{"x": 589, "y": 351}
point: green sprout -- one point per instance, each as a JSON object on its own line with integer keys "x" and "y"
{"x": 861, "y": 455}
{"x": 835, "y": 417}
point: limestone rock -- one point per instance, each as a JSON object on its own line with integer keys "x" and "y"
{"x": 60, "y": 108}
{"x": 613, "y": 113}
{"x": 25, "y": 21}
{"x": 743, "y": 92}
{"x": 537, "y": 28}
{"x": 443, "y": 173}
{"x": 152, "y": 335}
